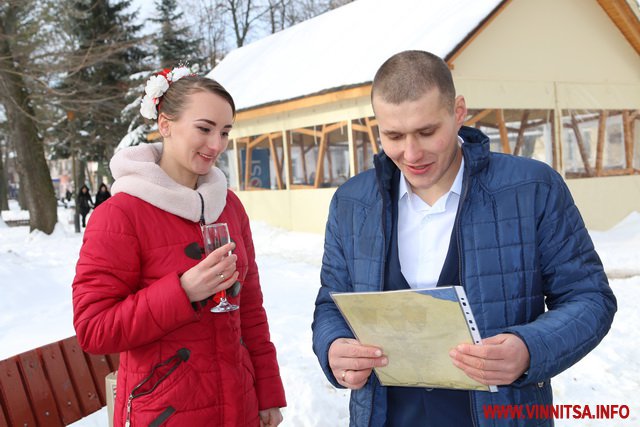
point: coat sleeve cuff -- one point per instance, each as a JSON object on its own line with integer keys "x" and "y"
{"x": 270, "y": 392}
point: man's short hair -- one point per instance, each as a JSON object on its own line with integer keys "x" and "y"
{"x": 408, "y": 75}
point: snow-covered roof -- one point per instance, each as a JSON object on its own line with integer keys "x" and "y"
{"x": 344, "y": 47}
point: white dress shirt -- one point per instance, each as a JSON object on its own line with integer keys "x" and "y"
{"x": 424, "y": 232}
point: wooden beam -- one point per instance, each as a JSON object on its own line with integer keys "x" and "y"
{"x": 628, "y": 141}
{"x": 287, "y": 157}
{"x": 258, "y": 140}
{"x": 481, "y": 115}
{"x": 320, "y": 162}
{"x": 353, "y": 159}
{"x": 520, "y": 137}
{"x": 247, "y": 166}
{"x": 236, "y": 150}
{"x": 504, "y": 136}
{"x": 304, "y": 159}
{"x": 536, "y": 123}
{"x": 633, "y": 116}
{"x": 554, "y": 154}
{"x": 329, "y": 158}
{"x": 581, "y": 146}
{"x": 276, "y": 162}
{"x": 252, "y": 188}
{"x": 359, "y": 128}
{"x": 304, "y": 102}
{"x": 496, "y": 126}
{"x": 625, "y": 19}
{"x": 335, "y": 126}
{"x": 372, "y": 139}
{"x": 619, "y": 172}
{"x": 309, "y": 132}
{"x": 602, "y": 127}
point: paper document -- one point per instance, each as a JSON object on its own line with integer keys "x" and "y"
{"x": 416, "y": 329}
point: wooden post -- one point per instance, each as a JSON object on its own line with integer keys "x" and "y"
{"x": 303, "y": 153}
{"x": 236, "y": 153}
{"x": 475, "y": 119}
{"x": 602, "y": 128}
{"x": 583, "y": 150}
{"x": 520, "y": 138}
{"x": 628, "y": 141}
{"x": 504, "y": 136}
{"x": 247, "y": 165}
{"x": 286, "y": 148}
{"x": 353, "y": 161}
{"x": 276, "y": 162}
{"x": 372, "y": 138}
{"x": 320, "y": 162}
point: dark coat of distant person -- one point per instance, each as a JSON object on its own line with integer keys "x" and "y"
{"x": 84, "y": 201}
{"x": 102, "y": 195}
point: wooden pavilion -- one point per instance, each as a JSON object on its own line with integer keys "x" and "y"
{"x": 558, "y": 81}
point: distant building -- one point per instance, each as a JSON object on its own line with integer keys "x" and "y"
{"x": 558, "y": 81}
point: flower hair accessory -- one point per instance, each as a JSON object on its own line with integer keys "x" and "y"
{"x": 156, "y": 87}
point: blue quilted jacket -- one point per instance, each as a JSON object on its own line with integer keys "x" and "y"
{"x": 527, "y": 264}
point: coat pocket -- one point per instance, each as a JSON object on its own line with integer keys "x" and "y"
{"x": 164, "y": 416}
{"x": 158, "y": 374}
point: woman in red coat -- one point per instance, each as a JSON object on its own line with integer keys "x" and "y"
{"x": 143, "y": 287}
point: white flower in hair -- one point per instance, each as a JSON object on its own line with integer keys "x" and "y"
{"x": 156, "y": 86}
{"x": 148, "y": 107}
{"x": 179, "y": 73}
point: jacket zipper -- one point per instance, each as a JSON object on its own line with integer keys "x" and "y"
{"x": 465, "y": 188}
{"x": 385, "y": 204}
{"x": 473, "y": 412}
{"x": 181, "y": 355}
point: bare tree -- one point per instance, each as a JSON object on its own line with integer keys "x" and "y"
{"x": 243, "y": 14}
{"x": 4, "y": 182}
{"x": 250, "y": 19}
{"x": 21, "y": 117}
{"x": 277, "y": 14}
{"x": 210, "y": 19}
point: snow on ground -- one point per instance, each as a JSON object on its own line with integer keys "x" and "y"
{"x": 36, "y": 271}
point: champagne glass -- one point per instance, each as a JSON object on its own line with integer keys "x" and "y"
{"x": 215, "y": 236}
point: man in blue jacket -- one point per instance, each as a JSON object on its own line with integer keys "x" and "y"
{"x": 439, "y": 209}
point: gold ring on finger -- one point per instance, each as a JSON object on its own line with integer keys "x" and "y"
{"x": 343, "y": 376}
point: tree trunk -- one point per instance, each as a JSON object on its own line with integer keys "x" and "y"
{"x": 35, "y": 180}
{"x": 4, "y": 184}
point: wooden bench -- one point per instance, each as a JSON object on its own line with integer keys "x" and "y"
{"x": 17, "y": 222}
{"x": 54, "y": 385}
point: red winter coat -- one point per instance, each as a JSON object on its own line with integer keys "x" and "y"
{"x": 196, "y": 368}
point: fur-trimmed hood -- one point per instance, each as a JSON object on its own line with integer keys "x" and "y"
{"x": 136, "y": 172}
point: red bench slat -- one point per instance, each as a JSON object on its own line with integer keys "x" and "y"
{"x": 80, "y": 376}
{"x": 38, "y": 390}
{"x": 53, "y": 386}
{"x": 14, "y": 396}
{"x": 99, "y": 367}
{"x": 65, "y": 395}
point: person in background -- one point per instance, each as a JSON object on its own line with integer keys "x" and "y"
{"x": 102, "y": 195}
{"x": 440, "y": 209}
{"x": 85, "y": 204}
{"x": 144, "y": 288}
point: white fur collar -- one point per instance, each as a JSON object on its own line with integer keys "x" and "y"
{"x": 136, "y": 172}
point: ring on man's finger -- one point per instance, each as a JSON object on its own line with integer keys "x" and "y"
{"x": 343, "y": 376}
{"x": 221, "y": 276}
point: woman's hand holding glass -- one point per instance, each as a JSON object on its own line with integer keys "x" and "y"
{"x": 215, "y": 273}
